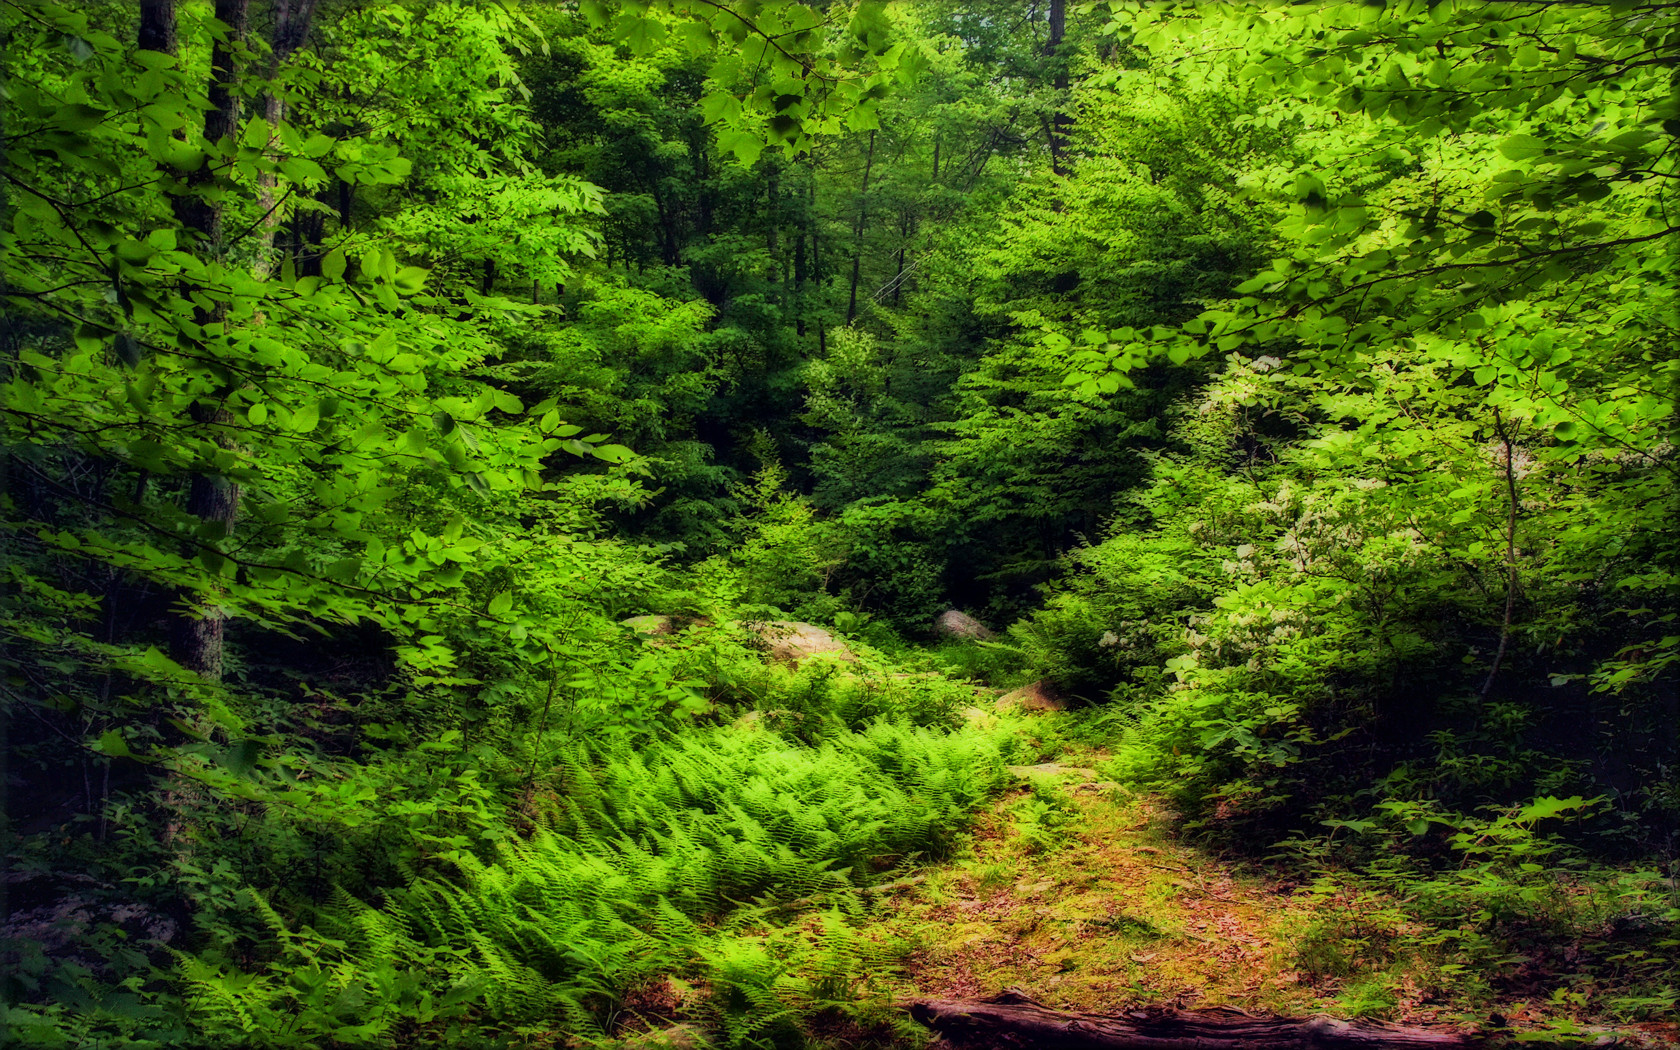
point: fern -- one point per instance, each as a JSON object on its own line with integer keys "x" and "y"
{"x": 650, "y": 846}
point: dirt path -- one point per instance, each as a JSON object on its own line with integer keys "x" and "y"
{"x": 1078, "y": 896}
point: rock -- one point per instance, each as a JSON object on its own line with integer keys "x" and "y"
{"x": 656, "y": 626}
{"x": 663, "y": 626}
{"x": 1040, "y": 696}
{"x": 789, "y": 641}
{"x": 959, "y": 626}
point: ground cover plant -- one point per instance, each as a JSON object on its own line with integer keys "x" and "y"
{"x": 688, "y": 525}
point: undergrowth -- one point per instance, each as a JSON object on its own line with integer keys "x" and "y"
{"x": 639, "y": 856}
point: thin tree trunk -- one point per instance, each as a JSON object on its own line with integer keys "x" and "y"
{"x": 291, "y": 28}
{"x": 799, "y": 281}
{"x": 1057, "y": 126}
{"x": 221, "y": 121}
{"x": 817, "y": 274}
{"x": 857, "y": 231}
{"x": 1511, "y": 507}
{"x": 772, "y": 191}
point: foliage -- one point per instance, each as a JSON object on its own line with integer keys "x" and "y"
{"x": 1291, "y": 386}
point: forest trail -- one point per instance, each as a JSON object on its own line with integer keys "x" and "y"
{"x": 1078, "y": 895}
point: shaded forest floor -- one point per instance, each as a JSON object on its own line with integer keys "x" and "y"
{"x": 1080, "y": 894}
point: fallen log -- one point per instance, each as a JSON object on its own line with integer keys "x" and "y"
{"x": 1014, "y": 1019}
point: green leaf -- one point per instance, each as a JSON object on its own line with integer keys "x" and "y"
{"x": 745, "y": 145}
{"x": 78, "y": 116}
{"x": 306, "y": 418}
{"x": 1522, "y": 147}
{"x": 112, "y": 744}
{"x": 302, "y": 169}
{"x": 501, "y": 604}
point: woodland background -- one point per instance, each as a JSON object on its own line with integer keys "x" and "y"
{"x": 1292, "y": 387}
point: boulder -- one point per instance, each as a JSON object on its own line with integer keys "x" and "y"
{"x": 1040, "y": 696}
{"x": 789, "y": 641}
{"x": 663, "y": 626}
{"x": 960, "y": 626}
{"x": 655, "y": 626}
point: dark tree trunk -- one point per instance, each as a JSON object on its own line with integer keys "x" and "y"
{"x": 196, "y": 633}
{"x": 772, "y": 191}
{"x": 488, "y": 284}
{"x": 1057, "y": 129}
{"x": 157, "y": 26}
{"x": 817, "y": 275}
{"x": 1016, "y": 1020}
{"x": 221, "y": 121}
{"x": 196, "y": 641}
{"x": 799, "y": 281}
{"x": 857, "y": 232}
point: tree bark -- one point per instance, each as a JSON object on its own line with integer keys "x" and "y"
{"x": 157, "y": 26}
{"x": 1057, "y": 127}
{"x": 799, "y": 281}
{"x": 192, "y": 210}
{"x": 857, "y": 232}
{"x": 1016, "y": 1020}
{"x": 1512, "y": 505}
{"x": 196, "y": 636}
{"x": 291, "y": 28}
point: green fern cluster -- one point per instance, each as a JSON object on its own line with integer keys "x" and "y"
{"x": 645, "y": 852}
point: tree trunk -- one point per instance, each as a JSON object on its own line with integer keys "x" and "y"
{"x": 1512, "y": 505}
{"x": 291, "y": 29}
{"x": 1020, "y": 1021}
{"x": 1057, "y": 128}
{"x": 817, "y": 276}
{"x": 857, "y": 232}
{"x": 799, "y": 281}
{"x": 196, "y": 635}
{"x": 221, "y": 121}
{"x": 196, "y": 642}
{"x": 157, "y": 26}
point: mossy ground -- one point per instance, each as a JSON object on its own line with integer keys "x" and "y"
{"x": 1114, "y": 914}
{"x": 1081, "y": 894}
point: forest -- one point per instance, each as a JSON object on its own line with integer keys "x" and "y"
{"x": 741, "y": 524}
